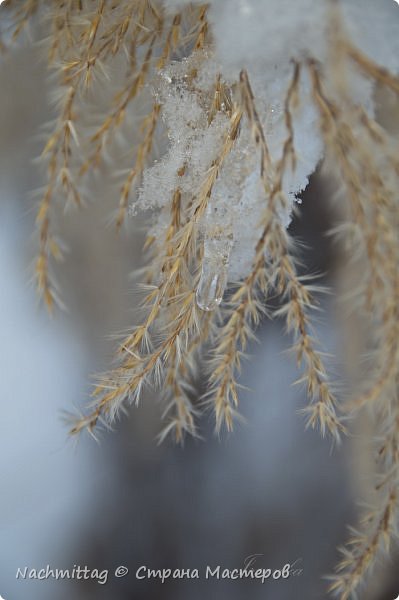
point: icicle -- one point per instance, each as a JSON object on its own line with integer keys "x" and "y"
{"x": 211, "y": 285}
{"x": 214, "y": 271}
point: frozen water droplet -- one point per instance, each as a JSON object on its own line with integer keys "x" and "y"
{"x": 212, "y": 284}
{"x": 213, "y": 279}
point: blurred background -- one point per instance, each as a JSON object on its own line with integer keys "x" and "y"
{"x": 270, "y": 489}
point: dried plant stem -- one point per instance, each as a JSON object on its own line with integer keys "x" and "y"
{"x": 172, "y": 41}
{"x": 122, "y": 100}
{"x": 364, "y": 547}
{"x": 23, "y": 11}
{"x": 275, "y": 245}
{"x": 127, "y": 380}
{"x": 378, "y": 525}
{"x": 142, "y": 154}
{"x": 178, "y": 388}
{"x": 203, "y": 27}
{"x": 373, "y": 212}
{"x": 373, "y": 216}
{"x": 83, "y": 36}
{"x": 58, "y": 148}
{"x": 371, "y": 69}
{"x": 230, "y": 344}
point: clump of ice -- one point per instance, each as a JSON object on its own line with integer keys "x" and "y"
{"x": 238, "y": 198}
{"x": 270, "y": 32}
{"x": 261, "y": 36}
{"x": 193, "y": 143}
